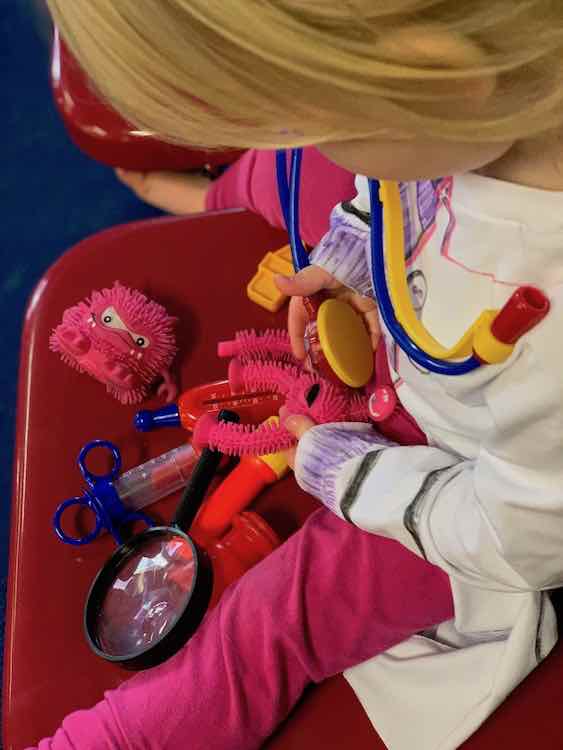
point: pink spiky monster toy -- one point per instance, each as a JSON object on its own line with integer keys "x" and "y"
{"x": 263, "y": 363}
{"x": 123, "y": 339}
{"x": 262, "y": 367}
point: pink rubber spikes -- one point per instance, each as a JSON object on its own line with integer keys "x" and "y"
{"x": 121, "y": 338}
{"x": 251, "y": 346}
{"x": 305, "y": 394}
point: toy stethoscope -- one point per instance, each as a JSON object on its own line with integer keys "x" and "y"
{"x": 101, "y": 498}
{"x": 489, "y": 340}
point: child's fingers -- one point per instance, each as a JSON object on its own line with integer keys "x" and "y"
{"x": 308, "y": 281}
{"x": 367, "y": 308}
{"x": 372, "y": 321}
{"x": 296, "y": 322}
{"x": 298, "y": 425}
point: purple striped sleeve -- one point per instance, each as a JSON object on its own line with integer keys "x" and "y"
{"x": 343, "y": 252}
{"x": 324, "y": 451}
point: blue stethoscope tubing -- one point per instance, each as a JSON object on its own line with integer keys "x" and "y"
{"x": 289, "y": 199}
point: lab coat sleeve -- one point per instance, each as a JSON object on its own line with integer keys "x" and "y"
{"x": 495, "y": 521}
{"x": 344, "y": 250}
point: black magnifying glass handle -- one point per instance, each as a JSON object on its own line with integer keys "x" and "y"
{"x": 202, "y": 476}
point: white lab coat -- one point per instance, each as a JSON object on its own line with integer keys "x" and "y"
{"x": 485, "y": 499}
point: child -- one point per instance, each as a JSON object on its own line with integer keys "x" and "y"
{"x": 436, "y": 604}
{"x": 250, "y": 183}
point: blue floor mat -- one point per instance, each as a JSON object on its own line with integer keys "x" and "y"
{"x": 51, "y": 196}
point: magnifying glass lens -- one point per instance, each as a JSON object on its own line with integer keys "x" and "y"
{"x": 152, "y": 594}
{"x": 150, "y": 591}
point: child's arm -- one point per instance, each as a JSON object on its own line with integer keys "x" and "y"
{"x": 94, "y": 729}
{"x": 344, "y": 250}
{"x": 495, "y": 519}
{"x": 340, "y": 263}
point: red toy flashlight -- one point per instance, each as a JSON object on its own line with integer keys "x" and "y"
{"x": 246, "y": 481}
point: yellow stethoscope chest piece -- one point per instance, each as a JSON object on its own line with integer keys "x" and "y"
{"x": 345, "y": 342}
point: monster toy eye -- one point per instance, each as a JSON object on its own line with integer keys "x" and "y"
{"x": 140, "y": 341}
{"x": 111, "y": 319}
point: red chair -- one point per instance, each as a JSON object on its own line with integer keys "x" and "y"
{"x": 103, "y": 134}
{"x": 49, "y": 669}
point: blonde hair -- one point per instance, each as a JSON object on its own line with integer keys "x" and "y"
{"x": 269, "y": 73}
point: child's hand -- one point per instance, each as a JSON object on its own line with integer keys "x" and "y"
{"x": 310, "y": 280}
{"x": 298, "y": 425}
{"x": 176, "y": 192}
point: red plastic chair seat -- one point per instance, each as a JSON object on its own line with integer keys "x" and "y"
{"x": 188, "y": 264}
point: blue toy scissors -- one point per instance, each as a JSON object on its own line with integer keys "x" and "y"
{"x": 101, "y": 497}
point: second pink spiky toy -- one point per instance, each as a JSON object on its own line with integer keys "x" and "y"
{"x": 264, "y": 364}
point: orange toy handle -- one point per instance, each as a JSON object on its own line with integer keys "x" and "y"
{"x": 235, "y": 493}
{"x": 213, "y": 397}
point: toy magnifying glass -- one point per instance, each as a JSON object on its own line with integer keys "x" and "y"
{"x": 153, "y": 592}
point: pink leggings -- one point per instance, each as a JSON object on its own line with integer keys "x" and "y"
{"x": 251, "y": 183}
{"x": 331, "y": 597}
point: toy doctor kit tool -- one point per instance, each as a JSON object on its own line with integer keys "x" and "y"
{"x": 245, "y": 482}
{"x": 247, "y": 540}
{"x": 209, "y": 398}
{"x": 491, "y": 338}
{"x": 115, "y": 500}
{"x": 153, "y": 592}
{"x": 303, "y": 393}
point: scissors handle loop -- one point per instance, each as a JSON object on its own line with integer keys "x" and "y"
{"x": 86, "y": 502}
{"x": 109, "y": 476}
{"x": 101, "y": 498}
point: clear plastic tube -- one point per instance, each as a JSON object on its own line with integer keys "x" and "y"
{"x": 157, "y": 478}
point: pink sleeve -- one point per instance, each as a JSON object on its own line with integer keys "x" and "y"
{"x": 94, "y": 729}
{"x": 145, "y": 711}
{"x": 245, "y": 668}
{"x": 251, "y": 183}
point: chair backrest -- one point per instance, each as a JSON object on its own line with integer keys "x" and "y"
{"x": 103, "y": 134}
